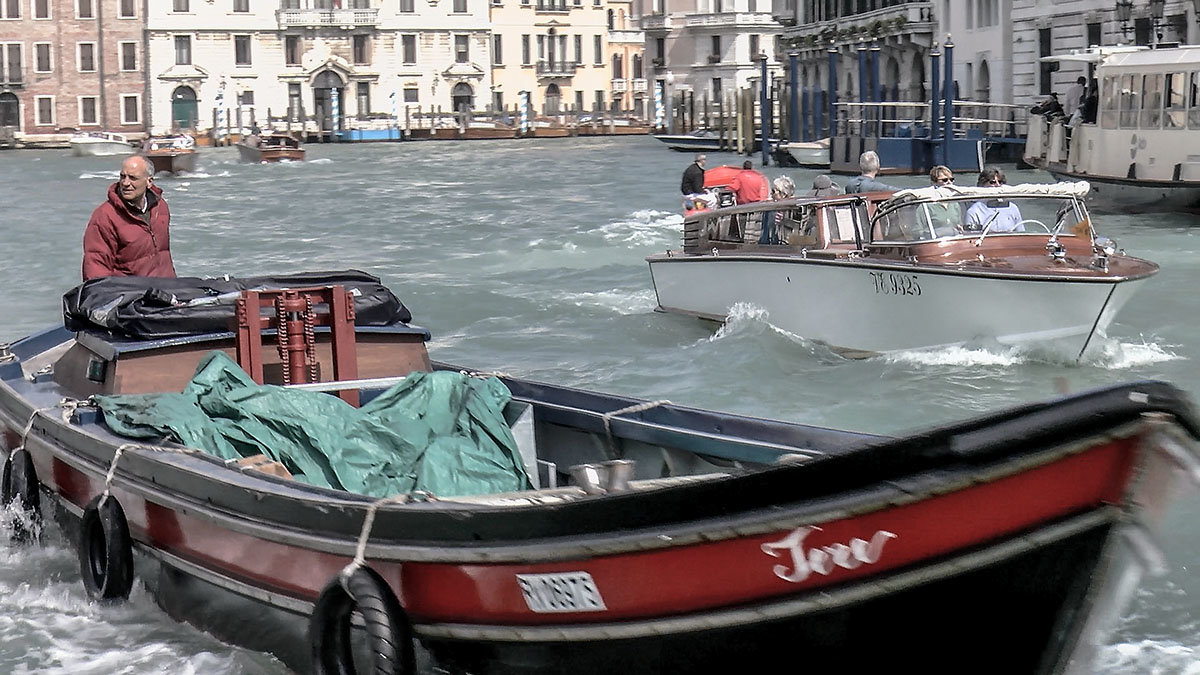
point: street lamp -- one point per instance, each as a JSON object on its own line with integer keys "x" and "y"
{"x": 1124, "y": 13}
{"x": 1156, "y": 16}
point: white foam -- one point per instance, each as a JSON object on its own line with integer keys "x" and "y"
{"x": 621, "y": 301}
{"x": 644, "y": 228}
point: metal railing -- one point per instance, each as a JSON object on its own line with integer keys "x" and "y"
{"x": 289, "y": 18}
{"x": 556, "y": 68}
{"x": 912, "y": 119}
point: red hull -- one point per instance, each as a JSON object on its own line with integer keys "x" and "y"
{"x": 635, "y": 585}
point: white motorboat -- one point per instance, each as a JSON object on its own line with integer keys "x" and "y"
{"x": 886, "y": 272}
{"x": 1140, "y": 152}
{"x": 97, "y": 143}
{"x": 808, "y": 154}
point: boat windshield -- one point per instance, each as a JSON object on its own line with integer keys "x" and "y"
{"x": 972, "y": 216}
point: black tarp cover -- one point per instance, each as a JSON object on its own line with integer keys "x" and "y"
{"x": 165, "y": 307}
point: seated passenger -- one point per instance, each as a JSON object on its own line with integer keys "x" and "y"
{"x": 997, "y": 215}
{"x": 946, "y": 217}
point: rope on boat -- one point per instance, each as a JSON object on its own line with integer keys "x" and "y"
{"x": 484, "y": 375}
{"x": 32, "y": 416}
{"x": 608, "y": 416}
{"x": 112, "y": 468}
{"x": 360, "y": 553}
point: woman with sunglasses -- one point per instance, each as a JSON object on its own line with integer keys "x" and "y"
{"x": 946, "y": 217}
{"x": 998, "y": 214}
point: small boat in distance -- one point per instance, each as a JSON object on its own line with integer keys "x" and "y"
{"x": 492, "y": 524}
{"x": 270, "y": 147}
{"x": 171, "y": 154}
{"x": 100, "y": 143}
{"x": 1140, "y": 152}
{"x": 921, "y": 268}
{"x": 707, "y": 140}
{"x": 807, "y": 154}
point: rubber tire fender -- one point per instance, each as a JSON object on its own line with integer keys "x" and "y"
{"x": 389, "y": 634}
{"x": 105, "y": 550}
{"x": 20, "y": 484}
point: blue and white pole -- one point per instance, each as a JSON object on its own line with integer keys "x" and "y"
{"x": 395, "y": 116}
{"x": 334, "y": 111}
{"x": 524, "y": 97}
{"x": 659, "y": 116}
{"x": 220, "y": 130}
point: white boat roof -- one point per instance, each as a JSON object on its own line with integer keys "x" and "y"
{"x": 1094, "y": 54}
{"x": 1143, "y": 58}
{"x": 1075, "y": 189}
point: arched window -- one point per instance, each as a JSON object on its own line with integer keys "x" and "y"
{"x": 463, "y": 97}
{"x": 611, "y": 19}
{"x": 184, "y": 109}
{"x": 618, "y": 72}
{"x": 10, "y": 110}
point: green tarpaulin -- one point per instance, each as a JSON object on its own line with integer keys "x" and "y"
{"x": 441, "y": 432}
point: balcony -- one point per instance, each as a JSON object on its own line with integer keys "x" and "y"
{"x": 620, "y": 86}
{"x": 626, "y": 37}
{"x": 911, "y": 22}
{"x": 327, "y": 18}
{"x": 556, "y": 68}
{"x": 639, "y": 85}
{"x": 731, "y": 20}
{"x": 552, "y": 7}
{"x": 657, "y": 22}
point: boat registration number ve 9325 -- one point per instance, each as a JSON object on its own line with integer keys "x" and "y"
{"x": 561, "y": 592}
{"x": 890, "y": 283}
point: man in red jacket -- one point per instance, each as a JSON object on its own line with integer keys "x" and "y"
{"x": 128, "y": 234}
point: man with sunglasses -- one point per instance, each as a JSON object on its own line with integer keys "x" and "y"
{"x": 128, "y": 235}
{"x": 997, "y": 214}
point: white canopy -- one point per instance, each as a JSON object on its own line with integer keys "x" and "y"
{"x": 1076, "y": 189}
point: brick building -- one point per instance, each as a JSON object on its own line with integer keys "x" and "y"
{"x": 70, "y": 65}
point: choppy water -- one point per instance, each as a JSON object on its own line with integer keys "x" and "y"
{"x": 527, "y": 257}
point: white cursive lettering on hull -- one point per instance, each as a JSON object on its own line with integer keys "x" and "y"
{"x": 825, "y": 559}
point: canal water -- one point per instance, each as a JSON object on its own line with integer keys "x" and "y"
{"x": 527, "y": 257}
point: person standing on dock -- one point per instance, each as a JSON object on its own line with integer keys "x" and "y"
{"x": 693, "y": 176}
{"x": 868, "y": 164}
{"x": 128, "y": 235}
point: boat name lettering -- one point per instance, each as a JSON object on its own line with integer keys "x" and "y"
{"x": 561, "y": 592}
{"x": 825, "y": 559}
{"x": 890, "y": 283}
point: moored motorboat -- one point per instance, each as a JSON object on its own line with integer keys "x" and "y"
{"x": 886, "y": 272}
{"x": 808, "y": 154}
{"x": 171, "y": 154}
{"x": 1138, "y": 152}
{"x": 100, "y": 143}
{"x": 270, "y": 147}
{"x": 645, "y": 536}
{"x": 706, "y": 140}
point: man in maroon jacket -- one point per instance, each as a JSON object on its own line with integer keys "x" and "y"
{"x": 128, "y": 234}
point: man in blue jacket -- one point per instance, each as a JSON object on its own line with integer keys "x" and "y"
{"x": 868, "y": 164}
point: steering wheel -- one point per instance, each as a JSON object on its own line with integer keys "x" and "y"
{"x": 1035, "y": 222}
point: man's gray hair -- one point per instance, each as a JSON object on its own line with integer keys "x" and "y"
{"x": 868, "y": 162}
{"x": 700, "y": 157}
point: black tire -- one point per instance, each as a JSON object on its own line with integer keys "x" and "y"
{"x": 5, "y": 490}
{"x": 388, "y": 632}
{"x": 21, "y": 486}
{"x": 105, "y": 550}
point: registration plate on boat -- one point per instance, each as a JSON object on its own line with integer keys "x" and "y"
{"x": 561, "y": 592}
